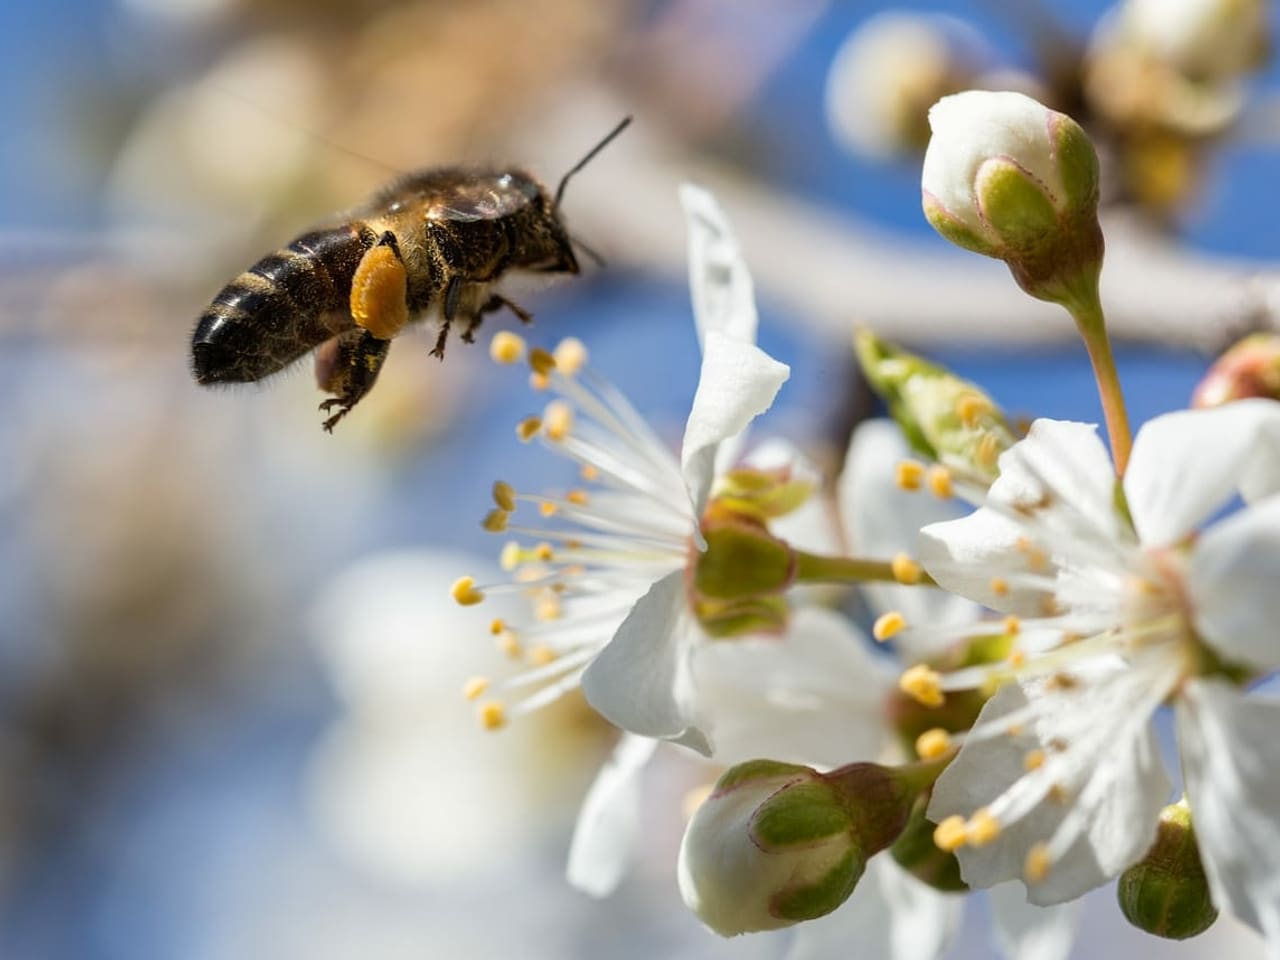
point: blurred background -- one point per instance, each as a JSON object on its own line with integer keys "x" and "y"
{"x": 230, "y": 711}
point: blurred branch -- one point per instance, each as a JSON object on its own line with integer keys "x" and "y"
{"x": 834, "y": 271}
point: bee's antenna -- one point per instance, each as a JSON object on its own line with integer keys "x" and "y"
{"x": 591, "y": 254}
{"x": 587, "y": 159}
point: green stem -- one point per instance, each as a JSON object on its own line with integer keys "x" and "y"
{"x": 1093, "y": 329}
{"x": 813, "y": 568}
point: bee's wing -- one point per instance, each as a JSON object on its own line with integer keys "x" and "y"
{"x": 482, "y": 199}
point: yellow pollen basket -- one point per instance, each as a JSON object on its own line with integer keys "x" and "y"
{"x": 506, "y": 347}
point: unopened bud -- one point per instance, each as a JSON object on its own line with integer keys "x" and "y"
{"x": 1251, "y": 368}
{"x": 1007, "y": 177}
{"x": 943, "y": 417}
{"x": 776, "y": 843}
{"x": 1167, "y": 893}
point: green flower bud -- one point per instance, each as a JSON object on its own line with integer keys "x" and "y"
{"x": 776, "y": 843}
{"x": 1251, "y": 368}
{"x": 1007, "y": 177}
{"x": 1166, "y": 893}
{"x": 944, "y": 417}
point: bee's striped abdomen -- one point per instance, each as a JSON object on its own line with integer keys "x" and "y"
{"x": 284, "y": 305}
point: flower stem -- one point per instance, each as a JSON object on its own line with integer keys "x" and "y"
{"x": 1093, "y": 329}
{"x": 813, "y": 568}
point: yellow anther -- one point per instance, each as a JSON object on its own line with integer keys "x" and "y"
{"x": 541, "y": 361}
{"x": 910, "y": 474}
{"x": 497, "y": 625}
{"x": 528, "y": 428}
{"x": 572, "y": 544}
{"x": 923, "y": 685}
{"x": 570, "y": 356}
{"x": 495, "y": 521}
{"x": 541, "y": 655}
{"x": 510, "y": 557}
{"x": 465, "y": 593}
{"x": 529, "y": 573}
{"x": 906, "y": 570}
{"x": 1015, "y": 729}
{"x": 940, "y": 482}
{"x": 1062, "y": 681}
{"x": 988, "y": 451}
{"x": 971, "y": 407}
{"x": 933, "y": 744}
{"x": 951, "y": 834}
{"x": 1058, "y": 794}
{"x": 1034, "y": 760}
{"x": 506, "y": 347}
{"x": 982, "y": 828}
{"x": 574, "y": 570}
{"x": 544, "y": 552}
{"x": 590, "y": 472}
{"x": 557, "y": 420}
{"x": 577, "y": 497}
{"x": 1036, "y": 558}
{"x": 548, "y": 509}
{"x": 1038, "y": 863}
{"x": 475, "y": 687}
{"x": 887, "y": 625}
{"x": 504, "y": 495}
{"x": 1017, "y": 658}
{"x": 492, "y": 714}
{"x": 999, "y": 586}
{"x": 1049, "y": 606}
{"x": 539, "y": 382}
{"x": 509, "y": 644}
{"x": 547, "y": 608}
{"x": 1012, "y": 626}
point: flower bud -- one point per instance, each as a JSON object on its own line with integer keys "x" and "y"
{"x": 1251, "y": 368}
{"x": 776, "y": 843}
{"x": 888, "y": 73}
{"x": 1206, "y": 40}
{"x": 1166, "y": 893}
{"x": 943, "y": 417}
{"x": 1007, "y": 177}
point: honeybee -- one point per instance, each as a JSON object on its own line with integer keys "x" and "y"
{"x": 434, "y": 242}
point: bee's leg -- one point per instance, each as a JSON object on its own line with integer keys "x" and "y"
{"x": 380, "y": 289}
{"x": 497, "y": 302}
{"x": 348, "y": 366}
{"x": 452, "y": 298}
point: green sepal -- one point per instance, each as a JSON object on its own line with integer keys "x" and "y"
{"x": 1167, "y": 892}
{"x": 813, "y": 900}
{"x": 916, "y": 853}
{"x": 742, "y": 560}
{"x": 1077, "y": 164}
{"x": 800, "y": 813}
{"x": 951, "y": 228}
{"x": 1015, "y": 205}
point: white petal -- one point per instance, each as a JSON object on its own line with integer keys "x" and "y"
{"x": 1024, "y": 931}
{"x": 890, "y": 916}
{"x": 1231, "y": 761}
{"x": 1120, "y": 830}
{"x": 640, "y": 681}
{"x": 881, "y": 520}
{"x": 814, "y": 696}
{"x": 1064, "y": 474}
{"x": 605, "y": 835}
{"x": 1232, "y": 580}
{"x": 738, "y": 382}
{"x": 1186, "y": 465}
{"x": 969, "y": 555}
{"x": 719, "y": 282}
